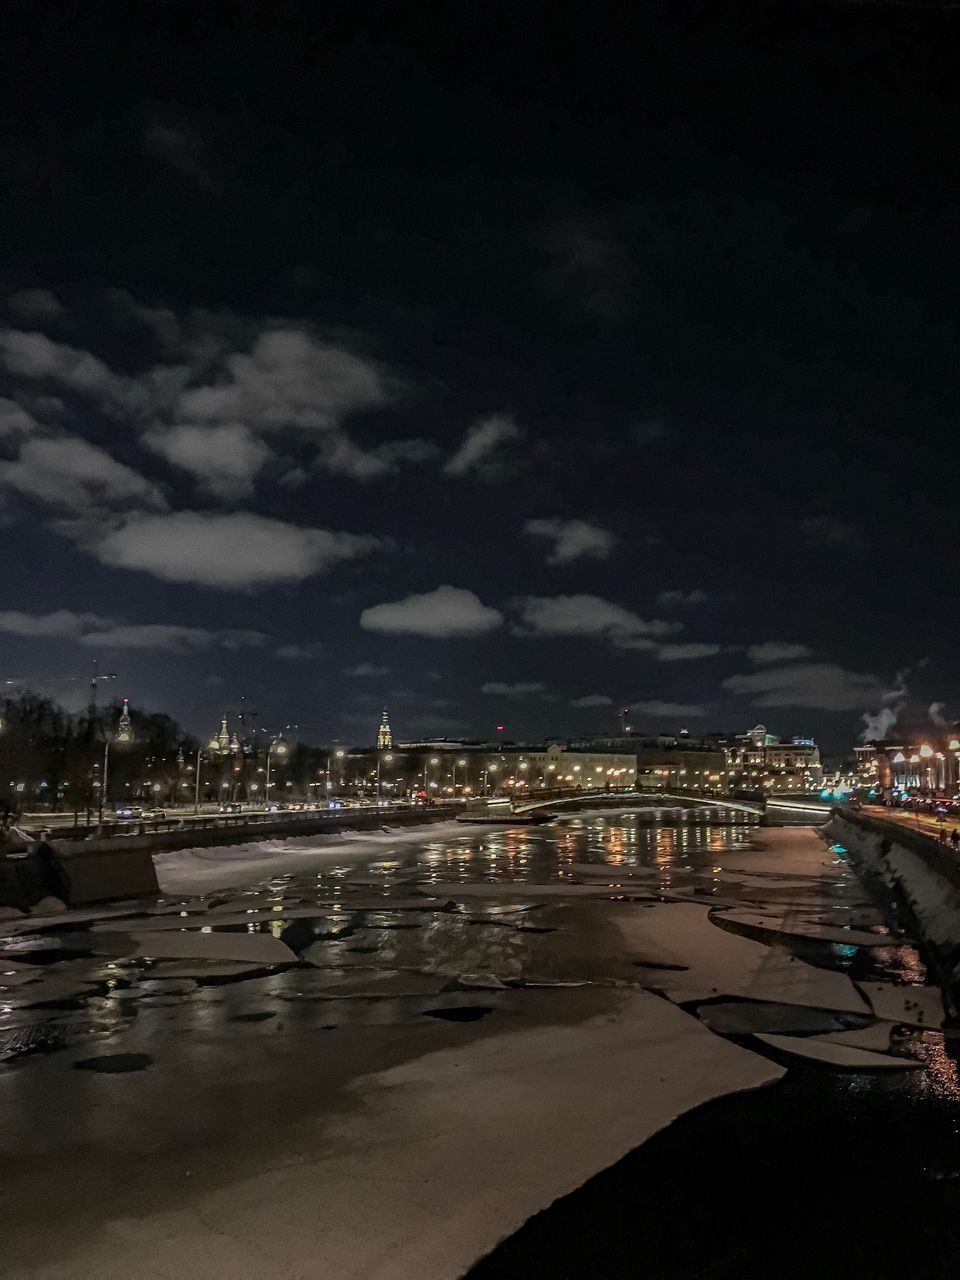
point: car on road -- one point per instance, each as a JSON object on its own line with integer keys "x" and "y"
{"x": 230, "y": 806}
{"x": 155, "y": 814}
{"x": 276, "y": 806}
{"x": 128, "y": 811}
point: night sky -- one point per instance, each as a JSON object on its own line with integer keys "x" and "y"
{"x": 625, "y": 338}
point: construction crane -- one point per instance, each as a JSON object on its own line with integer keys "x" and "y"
{"x": 96, "y": 678}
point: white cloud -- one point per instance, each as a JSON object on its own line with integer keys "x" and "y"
{"x": 572, "y": 539}
{"x": 480, "y": 443}
{"x": 35, "y": 304}
{"x": 288, "y": 379}
{"x": 224, "y": 459}
{"x": 681, "y": 710}
{"x": 824, "y": 686}
{"x": 73, "y": 474}
{"x": 776, "y": 651}
{"x": 297, "y": 652}
{"x": 592, "y": 700}
{"x": 512, "y": 690}
{"x": 668, "y": 599}
{"x": 14, "y": 419}
{"x": 171, "y": 638}
{"x": 687, "y": 652}
{"x": 33, "y": 355}
{"x": 104, "y": 633}
{"x": 234, "y": 552}
{"x": 62, "y": 622}
{"x": 366, "y": 669}
{"x": 584, "y": 615}
{"x": 441, "y": 614}
{"x": 344, "y": 456}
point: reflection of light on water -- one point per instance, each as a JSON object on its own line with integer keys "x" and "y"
{"x": 942, "y": 1077}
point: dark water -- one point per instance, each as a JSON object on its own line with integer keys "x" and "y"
{"x": 820, "y": 1176}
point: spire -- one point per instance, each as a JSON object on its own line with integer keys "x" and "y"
{"x": 384, "y": 733}
{"x": 124, "y": 730}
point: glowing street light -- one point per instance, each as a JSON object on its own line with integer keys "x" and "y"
{"x": 277, "y": 747}
{"x": 388, "y": 757}
{"x": 461, "y": 764}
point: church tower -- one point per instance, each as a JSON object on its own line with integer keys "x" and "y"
{"x": 220, "y": 742}
{"x": 124, "y": 730}
{"x": 384, "y": 733}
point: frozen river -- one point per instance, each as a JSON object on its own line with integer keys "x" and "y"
{"x": 381, "y": 1055}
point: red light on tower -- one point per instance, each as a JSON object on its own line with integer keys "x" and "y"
{"x": 499, "y": 728}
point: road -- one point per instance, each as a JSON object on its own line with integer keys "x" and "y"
{"x": 930, "y": 824}
{"x": 62, "y": 822}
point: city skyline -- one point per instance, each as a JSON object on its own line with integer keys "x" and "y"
{"x": 487, "y": 408}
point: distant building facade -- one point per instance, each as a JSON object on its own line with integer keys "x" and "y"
{"x": 915, "y": 764}
{"x": 759, "y": 760}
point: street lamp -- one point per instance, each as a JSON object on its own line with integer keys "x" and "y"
{"x": 339, "y": 754}
{"x": 388, "y": 757}
{"x": 278, "y": 746}
{"x": 461, "y": 763}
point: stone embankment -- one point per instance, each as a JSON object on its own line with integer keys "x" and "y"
{"x": 924, "y": 875}
{"x": 120, "y": 865}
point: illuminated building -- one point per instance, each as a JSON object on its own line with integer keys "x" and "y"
{"x": 759, "y": 760}
{"x": 124, "y": 730}
{"x": 927, "y": 764}
{"x": 220, "y": 742}
{"x": 384, "y": 733}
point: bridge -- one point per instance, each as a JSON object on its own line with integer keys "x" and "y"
{"x": 800, "y": 808}
{"x": 695, "y": 799}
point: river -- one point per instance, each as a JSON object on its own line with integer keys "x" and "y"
{"x": 205, "y": 1084}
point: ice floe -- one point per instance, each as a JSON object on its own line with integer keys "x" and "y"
{"x": 745, "y": 1017}
{"x": 837, "y": 1055}
{"x": 915, "y": 1006}
{"x": 874, "y": 1036}
{"x": 791, "y": 926}
{"x": 729, "y": 964}
{"x": 191, "y": 944}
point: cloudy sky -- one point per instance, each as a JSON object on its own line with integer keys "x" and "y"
{"x": 505, "y": 371}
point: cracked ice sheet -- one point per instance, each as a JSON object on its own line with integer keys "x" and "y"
{"x": 722, "y": 963}
{"x": 436, "y": 1160}
{"x": 746, "y": 1017}
{"x": 797, "y": 928}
